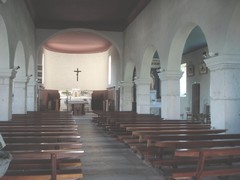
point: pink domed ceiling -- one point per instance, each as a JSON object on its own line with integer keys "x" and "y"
{"x": 77, "y": 42}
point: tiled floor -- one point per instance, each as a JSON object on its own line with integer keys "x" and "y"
{"x": 107, "y": 159}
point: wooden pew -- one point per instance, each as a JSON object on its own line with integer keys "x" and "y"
{"x": 45, "y": 173}
{"x": 122, "y": 126}
{"x": 43, "y": 147}
{"x": 42, "y": 133}
{"x": 143, "y": 133}
{"x": 130, "y": 138}
{"x": 40, "y": 129}
{"x": 169, "y": 147}
{"x": 148, "y": 124}
{"x": 165, "y": 127}
{"x": 168, "y": 137}
{"x": 197, "y": 143}
{"x": 144, "y": 151}
{"x": 104, "y": 117}
{"x": 228, "y": 159}
{"x": 41, "y": 139}
{"x": 203, "y": 137}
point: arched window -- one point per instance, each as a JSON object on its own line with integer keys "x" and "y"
{"x": 183, "y": 80}
{"x": 109, "y": 70}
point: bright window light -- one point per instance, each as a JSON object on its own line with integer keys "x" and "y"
{"x": 183, "y": 81}
{"x": 43, "y": 65}
{"x": 109, "y": 70}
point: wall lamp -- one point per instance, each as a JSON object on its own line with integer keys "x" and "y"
{"x": 16, "y": 68}
{"x": 160, "y": 70}
{"x": 209, "y": 55}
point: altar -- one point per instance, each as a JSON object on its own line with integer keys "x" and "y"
{"x": 76, "y": 101}
{"x": 78, "y": 107}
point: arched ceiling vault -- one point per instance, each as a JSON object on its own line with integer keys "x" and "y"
{"x": 77, "y": 42}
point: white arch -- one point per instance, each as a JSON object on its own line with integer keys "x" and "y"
{"x": 177, "y": 46}
{"x": 232, "y": 44}
{"x": 31, "y": 67}
{"x": 20, "y": 60}
{"x": 146, "y": 62}
{"x": 4, "y": 45}
{"x": 128, "y": 71}
{"x": 83, "y": 30}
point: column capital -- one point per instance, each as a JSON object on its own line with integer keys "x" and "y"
{"x": 7, "y": 73}
{"x": 223, "y": 61}
{"x": 170, "y": 75}
{"x": 125, "y": 84}
{"x": 32, "y": 83}
{"x": 21, "y": 79}
{"x": 142, "y": 81}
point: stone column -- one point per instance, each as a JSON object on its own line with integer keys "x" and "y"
{"x": 31, "y": 96}
{"x": 143, "y": 95}
{"x": 6, "y": 76}
{"x": 126, "y": 96}
{"x": 20, "y": 95}
{"x": 170, "y": 94}
{"x": 225, "y": 92}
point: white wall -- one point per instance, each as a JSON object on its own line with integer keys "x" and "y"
{"x": 20, "y": 27}
{"x": 116, "y": 65}
{"x": 195, "y": 58}
{"x": 160, "y": 21}
{"x": 59, "y": 71}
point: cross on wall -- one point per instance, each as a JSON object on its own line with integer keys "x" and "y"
{"x": 77, "y": 71}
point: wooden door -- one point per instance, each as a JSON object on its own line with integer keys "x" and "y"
{"x": 195, "y": 100}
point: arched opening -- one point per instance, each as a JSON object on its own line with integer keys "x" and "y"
{"x": 232, "y": 41}
{"x": 77, "y": 62}
{"x": 188, "y": 36}
{"x": 4, "y": 45}
{"x": 147, "y": 81}
{"x": 155, "y": 85}
{"x": 5, "y": 65}
{"x": 195, "y": 102}
{"x": 31, "y": 86}
{"x": 134, "y": 91}
{"x": 20, "y": 60}
{"x": 128, "y": 88}
{"x": 20, "y": 81}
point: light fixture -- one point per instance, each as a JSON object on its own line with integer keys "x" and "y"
{"x": 38, "y": 80}
{"x": 16, "y": 68}
{"x": 209, "y": 55}
{"x": 159, "y": 70}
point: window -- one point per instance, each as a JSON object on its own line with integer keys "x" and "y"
{"x": 42, "y": 72}
{"x": 183, "y": 80}
{"x": 109, "y": 70}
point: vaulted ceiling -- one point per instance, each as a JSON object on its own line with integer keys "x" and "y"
{"x": 107, "y": 15}
{"x": 100, "y": 15}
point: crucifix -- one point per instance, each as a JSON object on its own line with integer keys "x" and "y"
{"x": 77, "y": 71}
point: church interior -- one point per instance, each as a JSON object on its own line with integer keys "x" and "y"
{"x": 131, "y": 77}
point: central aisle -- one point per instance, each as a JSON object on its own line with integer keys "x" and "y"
{"x": 107, "y": 159}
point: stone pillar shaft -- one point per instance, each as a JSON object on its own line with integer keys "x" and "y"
{"x": 224, "y": 92}
{"x": 20, "y": 95}
{"x": 6, "y": 76}
{"x": 143, "y": 95}
{"x": 170, "y": 94}
{"x": 31, "y": 96}
{"x": 126, "y": 94}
